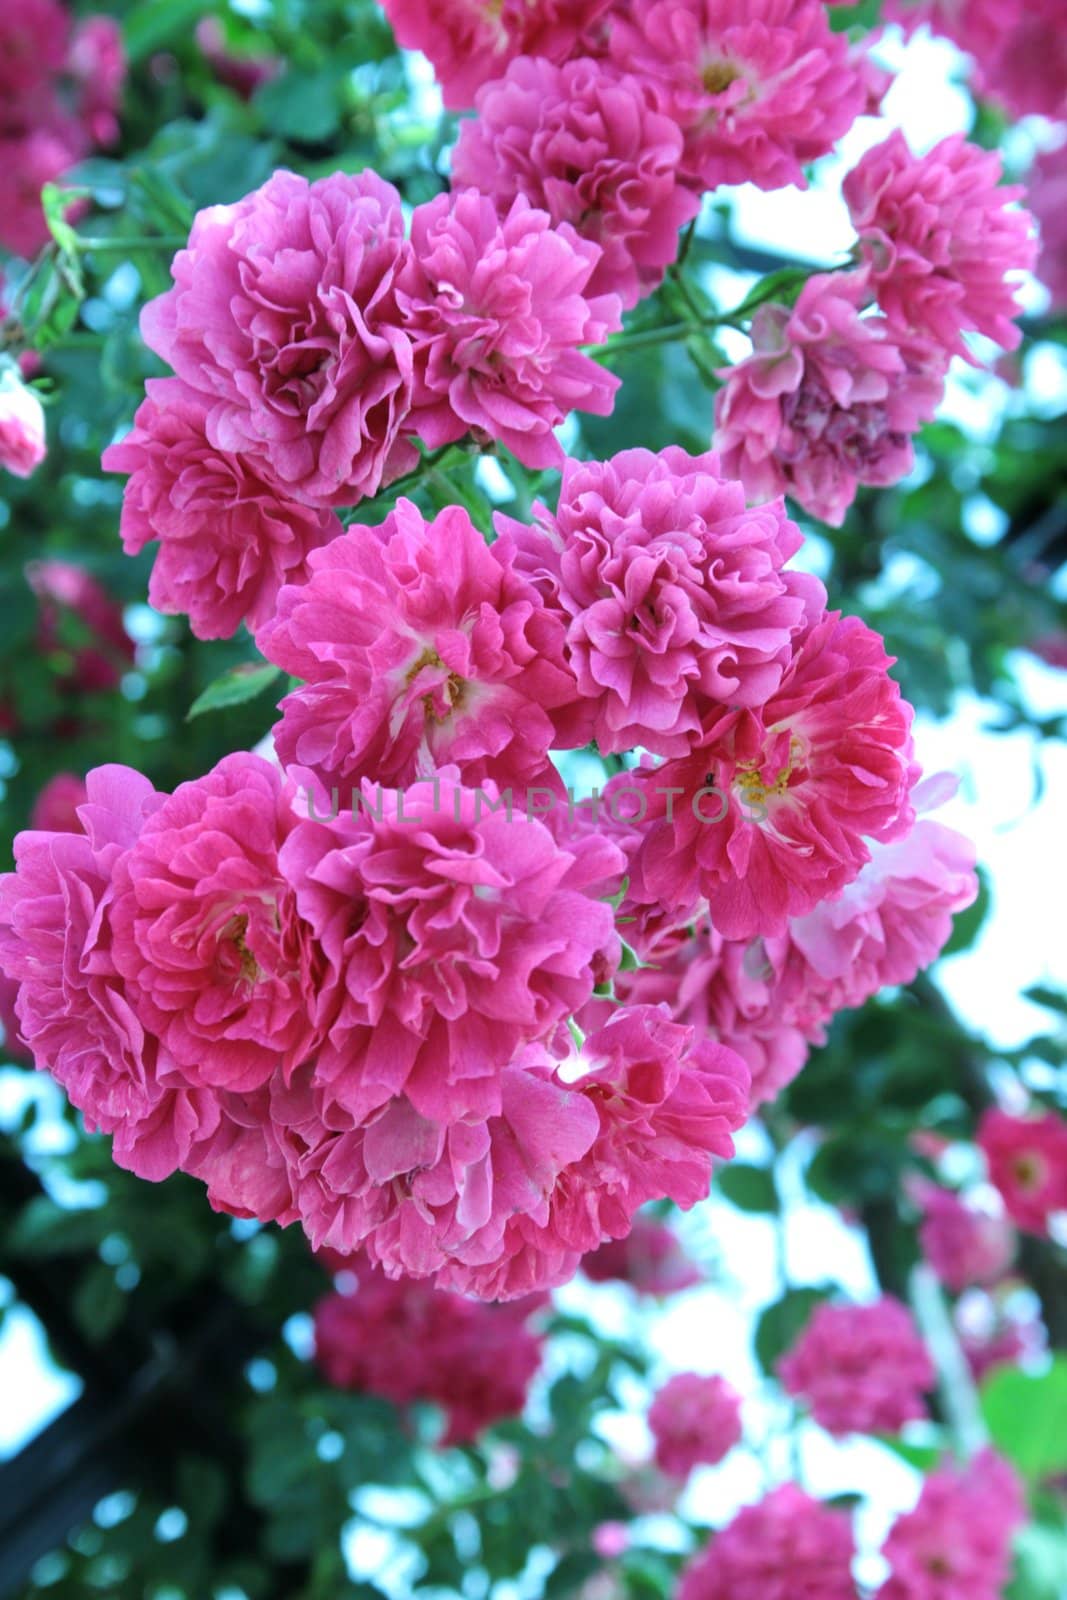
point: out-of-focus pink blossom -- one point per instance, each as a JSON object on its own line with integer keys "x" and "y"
{"x": 787, "y": 1547}
{"x": 650, "y": 1258}
{"x": 956, "y": 1544}
{"x": 68, "y": 594}
{"x": 695, "y": 1420}
{"x": 862, "y": 1369}
{"x": 1051, "y": 648}
{"x": 581, "y": 142}
{"x": 828, "y": 400}
{"x": 1027, "y": 1161}
{"x": 22, "y": 429}
{"x": 243, "y": 74}
{"x": 499, "y": 308}
{"x": 55, "y": 809}
{"x": 1047, "y": 198}
{"x": 963, "y": 1244}
{"x": 96, "y": 61}
{"x": 759, "y": 87}
{"x": 940, "y": 241}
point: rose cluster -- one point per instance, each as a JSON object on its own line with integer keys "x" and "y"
{"x": 60, "y": 87}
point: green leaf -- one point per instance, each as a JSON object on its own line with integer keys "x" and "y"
{"x": 1051, "y": 999}
{"x": 1027, "y": 1418}
{"x": 304, "y": 106}
{"x": 233, "y": 688}
{"x": 780, "y": 1325}
{"x": 746, "y": 1187}
{"x": 154, "y": 23}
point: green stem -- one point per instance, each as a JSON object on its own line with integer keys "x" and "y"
{"x": 158, "y": 241}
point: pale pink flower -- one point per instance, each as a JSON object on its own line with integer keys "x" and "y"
{"x": 940, "y": 241}
{"x": 957, "y": 1543}
{"x": 283, "y": 315}
{"x": 228, "y": 540}
{"x": 997, "y": 1331}
{"x": 455, "y": 936}
{"x": 1027, "y": 1161}
{"x": 417, "y": 647}
{"x": 774, "y": 811}
{"x": 963, "y": 1244}
{"x": 469, "y": 43}
{"x": 695, "y": 1421}
{"x": 1047, "y": 197}
{"x": 499, "y": 308}
{"x": 22, "y": 430}
{"x": 651, "y": 1259}
{"x": 862, "y": 1369}
{"x": 828, "y": 400}
{"x": 55, "y": 809}
{"x": 581, "y": 142}
{"x": 671, "y": 592}
{"x": 73, "y": 1007}
{"x": 759, "y": 87}
{"x": 221, "y": 967}
{"x": 787, "y": 1547}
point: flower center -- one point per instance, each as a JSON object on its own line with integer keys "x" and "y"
{"x": 719, "y": 75}
{"x": 754, "y": 791}
{"x": 447, "y": 694}
{"x": 1029, "y": 1171}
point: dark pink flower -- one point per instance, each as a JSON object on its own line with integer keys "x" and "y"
{"x": 243, "y": 74}
{"x": 651, "y": 1259}
{"x": 957, "y": 1543}
{"x": 55, "y": 809}
{"x": 29, "y": 160}
{"x": 455, "y": 934}
{"x": 73, "y": 1008}
{"x": 77, "y": 618}
{"x": 470, "y": 43}
{"x": 788, "y": 1547}
{"x": 228, "y": 539}
{"x": 499, "y": 308}
{"x": 33, "y": 48}
{"x": 862, "y": 1369}
{"x": 994, "y": 1332}
{"x": 418, "y": 647}
{"x": 283, "y": 315}
{"x": 774, "y": 811}
{"x": 581, "y": 142}
{"x": 22, "y": 430}
{"x": 96, "y": 60}
{"x": 939, "y": 240}
{"x": 759, "y": 87}
{"x": 1027, "y": 1161}
{"x": 221, "y": 967}
{"x": 829, "y": 399}
{"x": 672, "y": 594}
{"x": 1047, "y": 196}
{"x": 694, "y": 1420}
{"x": 963, "y": 1244}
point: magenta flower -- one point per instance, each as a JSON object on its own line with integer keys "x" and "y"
{"x": 1027, "y": 1161}
{"x": 22, "y": 431}
{"x": 964, "y": 1245}
{"x": 470, "y": 43}
{"x": 455, "y": 936}
{"x": 1047, "y": 194}
{"x": 939, "y": 240}
{"x": 957, "y": 1543}
{"x": 33, "y": 49}
{"x": 759, "y": 87}
{"x": 695, "y": 1421}
{"x": 581, "y": 142}
{"x": 55, "y": 809}
{"x": 73, "y": 1008}
{"x": 499, "y": 309}
{"x": 220, "y": 965}
{"x": 96, "y": 61}
{"x": 788, "y": 1547}
{"x": 418, "y": 647}
{"x": 773, "y": 812}
{"x": 228, "y": 539}
{"x": 829, "y": 399}
{"x": 651, "y": 1259}
{"x": 862, "y": 1369}
{"x": 672, "y": 594}
{"x": 283, "y": 316}
{"x": 66, "y": 592}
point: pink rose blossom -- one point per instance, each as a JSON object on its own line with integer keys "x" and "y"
{"x": 22, "y": 430}
{"x": 470, "y": 43}
{"x": 1027, "y": 1161}
{"x": 221, "y": 967}
{"x": 33, "y": 48}
{"x": 97, "y": 62}
{"x": 27, "y": 162}
{"x": 759, "y": 87}
{"x": 788, "y": 1547}
{"x": 1047, "y": 196}
{"x": 672, "y": 594}
{"x": 70, "y": 600}
{"x": 499, "y": 308}
{"x": 963, "y": 1244}
{"x": 651, "y": 1259}
{"x": 73, "y": 1008}
{"x": 862, "y": 1369}
{"x": 455, "y": 935}
{"x": 14, "y": 1049}
{"x": 474, "y": 1360}
{"x": 581, "y": 142}
{"x": 995, "y": 1332}
{"x": 283, "y": 315}
{"x": 773, "y": 812}
{"x": 694, "y": 1421}
{"x": 418, "y": 647}
{"x": 228, "y": 540}
{"x": 939, "y": 240}
{"x": 1018, "y": 47}
{"x": 957, "y": 1543}
{"x": 829, "y": 399}
{"x": 55, "y": 809}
